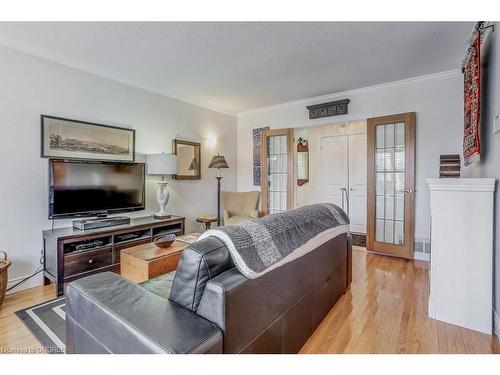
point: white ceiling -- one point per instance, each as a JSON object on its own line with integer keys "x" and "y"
{"x": 237, "y": 66}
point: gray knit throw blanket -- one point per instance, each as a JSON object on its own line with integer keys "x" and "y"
{"x": 259, "y": 245}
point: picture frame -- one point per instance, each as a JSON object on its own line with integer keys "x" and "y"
{"x": 65, "y": 138}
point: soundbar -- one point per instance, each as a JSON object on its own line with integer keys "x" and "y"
{"x": 87, "y": 224}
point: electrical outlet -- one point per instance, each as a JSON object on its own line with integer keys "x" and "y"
{"x": 496, "y": 124}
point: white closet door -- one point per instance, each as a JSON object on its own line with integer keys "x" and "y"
{"x": 334, "y": 170}
{"x": 357, "y": 182}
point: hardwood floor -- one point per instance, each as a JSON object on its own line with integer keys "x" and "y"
{"x": 385, "y": 311}
{"x": 14, "y": 336}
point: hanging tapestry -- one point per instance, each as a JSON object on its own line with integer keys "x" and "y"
{"x": 257, "y": 136}
{"x": 472, "y": 100}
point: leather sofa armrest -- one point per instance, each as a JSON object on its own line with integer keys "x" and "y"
{"x": 213, "y": 302}
{"x": 106, "y": 313}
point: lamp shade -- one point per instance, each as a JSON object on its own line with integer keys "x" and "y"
{"x": 162, "y": 164}
{"x": 218, "y": 161}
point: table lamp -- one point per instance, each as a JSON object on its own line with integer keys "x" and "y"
{"x": 218, "y": 162}
{"x": 162, "y": 164}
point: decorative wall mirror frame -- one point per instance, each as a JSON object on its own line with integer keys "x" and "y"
{"x": 302, "y": 161}
{"x": 188, "y": 158}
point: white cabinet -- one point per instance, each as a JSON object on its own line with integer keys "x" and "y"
{"x": 461, "y": 280}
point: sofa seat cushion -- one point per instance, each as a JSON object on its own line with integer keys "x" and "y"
{"x": 237, "y": 219}
{"x": 161, "y": 285}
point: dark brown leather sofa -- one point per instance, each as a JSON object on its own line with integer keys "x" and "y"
{"x": 207, "y": 306}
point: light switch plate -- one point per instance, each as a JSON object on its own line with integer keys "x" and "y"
{"x": 496, "y": 124}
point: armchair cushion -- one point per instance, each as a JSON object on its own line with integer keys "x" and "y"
{"x": 237, "y": 219}
{"x": 242, "y": 204}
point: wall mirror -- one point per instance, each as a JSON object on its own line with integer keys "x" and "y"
{"x": 188, "y": 158}
{"x": 302, "y": 161}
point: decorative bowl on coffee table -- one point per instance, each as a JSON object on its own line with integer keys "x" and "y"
{"x": 164, "y": 241}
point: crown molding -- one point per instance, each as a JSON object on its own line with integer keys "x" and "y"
{"x": 70, "y": 63}
{"x": 461, "y": 184}
{"x": 46, "y": 55}
{"x": 415, "y": 81}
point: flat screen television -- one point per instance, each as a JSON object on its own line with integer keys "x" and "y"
{"x": 89, "y": 188}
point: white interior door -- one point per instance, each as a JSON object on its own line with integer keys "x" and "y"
{"x": 357, "y": 182}
{"x": 334, "y": 170}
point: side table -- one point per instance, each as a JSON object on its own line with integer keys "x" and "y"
{"x": 207, "y": 220}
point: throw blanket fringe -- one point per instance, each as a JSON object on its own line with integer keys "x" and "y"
{"x": 258, "y": 246}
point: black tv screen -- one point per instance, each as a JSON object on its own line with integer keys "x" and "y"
{"x": 82, "y": 188}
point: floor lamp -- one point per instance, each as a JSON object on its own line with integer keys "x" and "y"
{"x": 218, "y": 162}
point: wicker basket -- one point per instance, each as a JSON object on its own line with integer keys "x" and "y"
{"x": 4, "y": 264}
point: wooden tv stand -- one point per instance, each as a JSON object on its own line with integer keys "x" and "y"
{"x": 69, "y": 253}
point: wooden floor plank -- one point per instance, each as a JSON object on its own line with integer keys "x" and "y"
{"x": 15, "y": 338}
{"x": 385, "y": 311}
{"x": 388, "y": 314}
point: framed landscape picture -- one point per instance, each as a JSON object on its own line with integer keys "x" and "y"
{"x": 73, "y": 139}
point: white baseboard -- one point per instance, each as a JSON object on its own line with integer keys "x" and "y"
{"x": 36, "y": 280}
{"x": 417, "y": 255}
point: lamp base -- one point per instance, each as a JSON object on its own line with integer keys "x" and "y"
{"x": 162, "y": 216}
{"x": 162, "y": 198}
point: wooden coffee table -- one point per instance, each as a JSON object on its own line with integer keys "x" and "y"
{"x": 143, "y": 262}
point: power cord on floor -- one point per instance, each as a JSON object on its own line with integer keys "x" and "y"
{"x": 23, "y": 280}
{"x": 39, "y": 269}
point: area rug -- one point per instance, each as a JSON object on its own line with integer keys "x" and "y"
{"x": 46, "y": 322}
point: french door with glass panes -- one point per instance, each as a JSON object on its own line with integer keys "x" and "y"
{"x": 391, "y": 185}
{"x": 277, "y": 170}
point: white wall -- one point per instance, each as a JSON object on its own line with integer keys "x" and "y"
{"x": 30, "y": 86}
{"x": 489, "y": 166}
{"x": 437, "y": 100}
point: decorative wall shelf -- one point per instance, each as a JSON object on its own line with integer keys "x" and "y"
{"x": 336, "y": 108}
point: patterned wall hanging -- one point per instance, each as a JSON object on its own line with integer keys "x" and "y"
{"x": 257, "y": 137}
{"x": 472, "y": 100}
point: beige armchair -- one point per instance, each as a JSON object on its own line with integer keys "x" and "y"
{"x": 238, "y": 207}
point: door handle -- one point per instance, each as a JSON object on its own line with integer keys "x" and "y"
{"x": 344, "y": 190}
{"x": 409, "y": 191}
{"x": 353, "y": 189}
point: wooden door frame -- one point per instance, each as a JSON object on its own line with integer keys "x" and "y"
{"x": 264, "y": 181}
{"x": 409, "y": 119}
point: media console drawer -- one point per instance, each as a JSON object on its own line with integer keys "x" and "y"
{"x": 87, "y": 261}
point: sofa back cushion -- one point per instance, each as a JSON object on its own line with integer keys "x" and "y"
{"x": 200, "y": 262}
